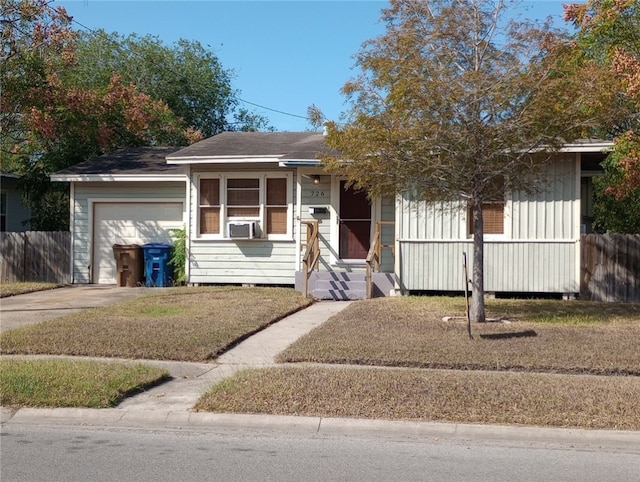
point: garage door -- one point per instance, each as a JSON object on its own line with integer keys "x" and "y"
{"x": 129, "y": 223}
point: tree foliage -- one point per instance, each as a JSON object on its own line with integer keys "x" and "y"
{"x": 456, "y": 103}
{"x": 618, "y": 213}
{"x": 35, "y": 40}
{"x": 186, "y": 76}
{"x": 609, "y": 34}
{"x": 68, "y": 97}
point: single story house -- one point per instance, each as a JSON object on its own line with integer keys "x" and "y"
{"x": 14, "y": 215}
{"x": 257, "y": 205}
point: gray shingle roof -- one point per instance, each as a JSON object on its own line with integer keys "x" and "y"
{"x": 153, "y": 160}
{"x": 133, "y": 160}
{"x": 286, "y": 145}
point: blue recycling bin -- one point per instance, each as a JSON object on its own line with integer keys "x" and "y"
{"x": 157, "y": 270}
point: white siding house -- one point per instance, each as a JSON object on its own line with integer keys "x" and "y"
{"x": 246, "y": 201}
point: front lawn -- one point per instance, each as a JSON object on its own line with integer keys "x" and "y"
{"x": 545, "y": 367}
{"x": 189, "y": 324}
{"x": 69, "y": 383}
{"x": 585, "y": 401}
{"x": 541, "y": 336}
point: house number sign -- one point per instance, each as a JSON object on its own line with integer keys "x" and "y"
{"x": 317, "y": 193}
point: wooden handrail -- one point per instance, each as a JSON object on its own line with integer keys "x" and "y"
{"x": 311, "y": 254}
{"x": 374, "y": 255}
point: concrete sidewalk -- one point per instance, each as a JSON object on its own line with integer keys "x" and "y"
{"x": 190, "y": 380}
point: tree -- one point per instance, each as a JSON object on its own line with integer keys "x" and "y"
{"x": 455, "y": 103}
{"x": 35, "y": 40}
{"x": 50, "y": 122}
{"x": 617, "y": 210}
{"x": 609, "y": 34}
{"x": 71, "y": 124}
{"x": 189, "y": 78}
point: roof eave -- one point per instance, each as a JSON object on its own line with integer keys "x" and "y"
{"x": 587, "y": 146}
{"x": 300, "y": 163}
{"x": 223, "y": 159}
{"x": 118, "y": 177}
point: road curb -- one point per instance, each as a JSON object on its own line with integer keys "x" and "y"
{"x": 427, "y": 431}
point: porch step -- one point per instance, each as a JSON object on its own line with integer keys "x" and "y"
{"x": 332, "y": 285}
{"x": 340, "y": 286}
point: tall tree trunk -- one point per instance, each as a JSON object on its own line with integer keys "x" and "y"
{"x": 477, "y": 312}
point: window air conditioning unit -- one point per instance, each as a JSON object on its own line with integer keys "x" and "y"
{"x": 241, "y": 229}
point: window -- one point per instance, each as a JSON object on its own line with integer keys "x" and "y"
{"x": 209, "y": 206}
{"x": 3, "y": 212}
{"x": 263, "y": 199}
{"x": 492, "y": 210}
{"x": 277, "y": 206}
{"x": 243, "y": 198}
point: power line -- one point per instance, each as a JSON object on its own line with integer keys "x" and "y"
{"x": 273, "y": 110}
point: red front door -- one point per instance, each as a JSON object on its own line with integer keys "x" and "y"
{"x": 355, "y": 223}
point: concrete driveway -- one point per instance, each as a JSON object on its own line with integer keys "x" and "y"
{"x": 31, "y": 308}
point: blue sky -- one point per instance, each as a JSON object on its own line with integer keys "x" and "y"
{"x": 285, "y": 55}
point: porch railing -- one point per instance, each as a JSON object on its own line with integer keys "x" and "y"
{"x": 375, "y": 255}
{"x": 311, "y": 254}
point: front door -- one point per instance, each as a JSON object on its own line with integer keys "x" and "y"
{"x": 355, "y": 223}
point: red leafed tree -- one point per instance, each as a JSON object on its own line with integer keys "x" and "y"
{"x": 48, "y": 124}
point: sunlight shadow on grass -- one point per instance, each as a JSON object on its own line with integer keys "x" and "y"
{"x": 505, "y": 336}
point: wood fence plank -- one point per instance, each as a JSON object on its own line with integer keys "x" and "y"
{"x": 610, "y": 267}
{"x": 36, "y": 256}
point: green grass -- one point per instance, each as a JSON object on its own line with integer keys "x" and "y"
{"x": 68, "y": 383}
{"x": 189, "y": 324}
{"x": 12, "y": 289}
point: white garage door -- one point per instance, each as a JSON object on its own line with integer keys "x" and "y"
{"x": 129, "y": 223}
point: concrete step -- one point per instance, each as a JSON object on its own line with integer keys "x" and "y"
{"x": 334, "y": 285}
{"x": 338, "y": 294}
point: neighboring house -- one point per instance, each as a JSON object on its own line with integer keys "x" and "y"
{"x": 249, "y": 201}
{"x": 14, "y": 215}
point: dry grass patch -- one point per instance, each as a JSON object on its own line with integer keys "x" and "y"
{"x": 12, "y": 289}
{"x": 410, "y": 394}
{"x": 550, "y": 336}
{"x": 191, "y": 324}
{"x": 66, "y": 383}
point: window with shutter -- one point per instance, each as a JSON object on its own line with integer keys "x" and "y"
{"x": 264, "y": 199}
{"x": 492, "y": 211}
{"x": 209, "y": 206}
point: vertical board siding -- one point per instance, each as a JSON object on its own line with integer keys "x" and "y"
{"x": 116, "y": 191}
{"x": 387, "y": 261}
{"x": 610, "y": 267}
{"x": 547, "y": 267}
{"x": 36, "y": 256}
{"x": 433, "y": 266}
{"x": 549, "y": 214}
{"x": 537, "y": 253}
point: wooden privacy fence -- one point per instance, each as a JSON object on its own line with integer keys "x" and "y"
{"x": 610, "y": 267}
{"x": 36, "y": 256}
